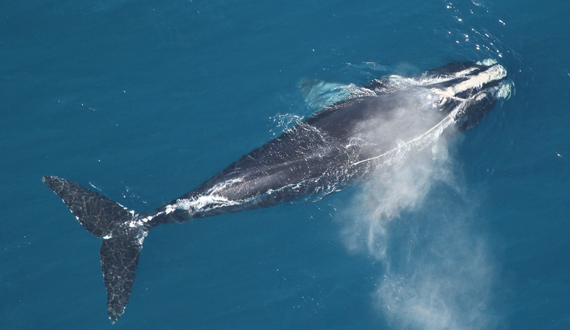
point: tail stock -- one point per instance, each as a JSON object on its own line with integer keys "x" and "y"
{"x": 114, "y": 223}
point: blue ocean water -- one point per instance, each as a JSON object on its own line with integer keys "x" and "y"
{"x": 144, "y": 100}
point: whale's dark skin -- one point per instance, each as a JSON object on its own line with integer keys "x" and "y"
{"x": 300, "y": 162}
{"x": 314, "y": 157}
{"x": 341, "y": 145}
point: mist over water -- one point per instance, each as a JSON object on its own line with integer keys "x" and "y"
{"x": 415, "y": 219}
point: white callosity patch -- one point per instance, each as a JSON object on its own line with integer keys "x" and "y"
{"x": 494, "y": 73}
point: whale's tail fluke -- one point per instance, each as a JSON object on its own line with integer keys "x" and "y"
{"x": 122, "y": 242}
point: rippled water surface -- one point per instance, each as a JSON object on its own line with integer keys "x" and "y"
{"x": 144, "y": 100}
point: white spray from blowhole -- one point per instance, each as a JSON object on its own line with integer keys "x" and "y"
{"x": 415, "y": 218}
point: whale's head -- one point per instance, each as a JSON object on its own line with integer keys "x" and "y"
{"x": 470, "y": 89}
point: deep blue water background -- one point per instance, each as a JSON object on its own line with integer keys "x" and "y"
{"x": 146, "y": 99}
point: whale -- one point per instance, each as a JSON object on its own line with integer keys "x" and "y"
{"x": 375, "y": 128}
